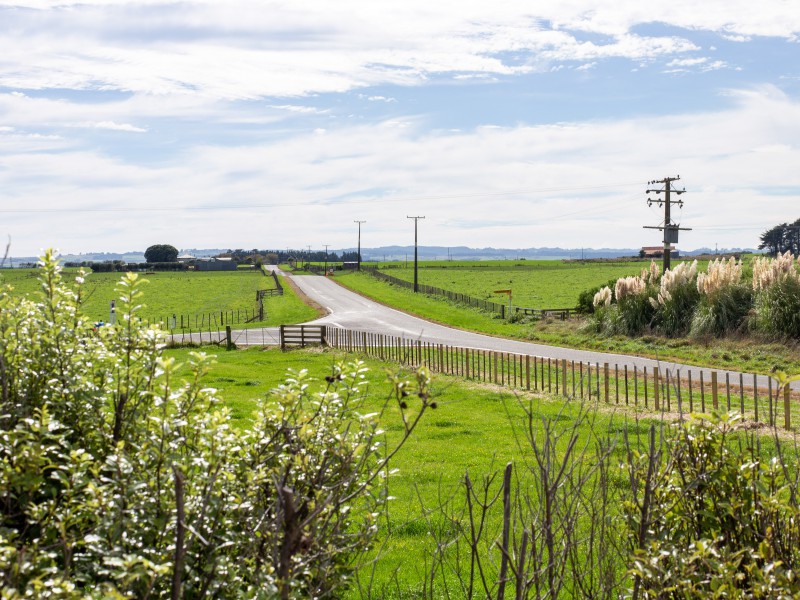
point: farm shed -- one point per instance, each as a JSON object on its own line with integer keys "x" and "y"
{"x": 215, "y": 264}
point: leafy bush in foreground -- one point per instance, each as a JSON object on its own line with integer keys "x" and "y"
{"x": 711, "y": 518}
{"x": 117, "y": 481}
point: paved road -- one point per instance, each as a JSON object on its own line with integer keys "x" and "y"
{"x": 351, "y": 311}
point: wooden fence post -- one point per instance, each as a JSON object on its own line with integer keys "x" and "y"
{"x": 787, "y": 408}
{"x": 528, "y": 372}
{"x": 755, "y": 395}
{"x": 605, "y": 380}
{"x": 655, "y": 389}
{"x": 714, "y": 394}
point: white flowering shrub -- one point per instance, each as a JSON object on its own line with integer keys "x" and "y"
{"x": 770, "y": 271}
{"x": 675, "y": 302}
{"x": 725, "y": 300}
{"x": 629, "y": 286}
{"x": 602, "y": 298}
{"x": 776, "y": 285}
{"x": 719, "y": 275}
{"x": 119, "y": 481}
{"x": 625, "y": 309}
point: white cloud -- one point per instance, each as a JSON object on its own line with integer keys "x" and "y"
{"x": 118, "y": 126}
{"x": 293, "y": 108}
{"x": 248, "y": 49}
{"x": 552, "y": 185}
{"x": 378, "y": 99}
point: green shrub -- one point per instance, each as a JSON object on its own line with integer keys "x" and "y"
{"x": 636, "y": 314}
{"x": 586, "y": 297}
{"x": 116, "y": 480}
{"x": 709, "y": 517}
{"x": 723, "y": 313}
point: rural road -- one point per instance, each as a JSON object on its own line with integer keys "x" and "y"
{"x": 349, "y": 310}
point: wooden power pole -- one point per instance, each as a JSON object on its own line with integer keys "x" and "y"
{"x": 359, "y": 244}
{"x": 416, "y": 220}
{"x": 669, "y": 228}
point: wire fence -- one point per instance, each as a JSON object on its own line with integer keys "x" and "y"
{"x": 685, "y": 390}
{"x": 487, "y": 305}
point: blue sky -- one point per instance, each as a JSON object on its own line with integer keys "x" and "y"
{"x": 276, "y": 124}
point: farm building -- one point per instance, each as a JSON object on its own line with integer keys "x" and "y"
{"x": 215, "y": 264}
{"x": 657, "y": 252}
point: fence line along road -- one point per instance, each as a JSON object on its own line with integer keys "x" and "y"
{"x": 683, "y": 390}
{"x": 488, "y": 305}
{"x": 349, "y": 310}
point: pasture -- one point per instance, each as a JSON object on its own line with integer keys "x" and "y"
{"x": 198, "y": 296}
{"x": 534, "y": 283}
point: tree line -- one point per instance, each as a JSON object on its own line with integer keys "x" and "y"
{"x": 782, "y": 238}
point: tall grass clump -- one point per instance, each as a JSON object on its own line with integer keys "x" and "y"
{"x": 635, "y": 314}
{"x": 625, "y": 308}
{"x": 725, "y": 300}
{"x": 776, "y": 286}
{"x": 676, "y": 300}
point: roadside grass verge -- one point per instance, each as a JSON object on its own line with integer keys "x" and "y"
{"x": 745, "y": 353}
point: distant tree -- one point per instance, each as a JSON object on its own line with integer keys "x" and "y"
{"x": 271, "y": 258}
{"x": 161, "y": 253}
{"x": 781, "y": 238}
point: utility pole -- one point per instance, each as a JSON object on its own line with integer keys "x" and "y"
{"x": 416, "y": 220}
{"x": 326, "y": 258}
{"x": 669, "y": 228}
{"x": 359, "y": 243}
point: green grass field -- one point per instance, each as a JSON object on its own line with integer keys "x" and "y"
{"x": 475, "y": 429}
{"x": 534, "y": 283}
{"x": 197, "y": 296}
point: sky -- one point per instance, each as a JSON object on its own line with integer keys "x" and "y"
{"x": 279, "y": 124}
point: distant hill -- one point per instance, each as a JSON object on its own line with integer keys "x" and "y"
{"x": 387, "y": 253}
